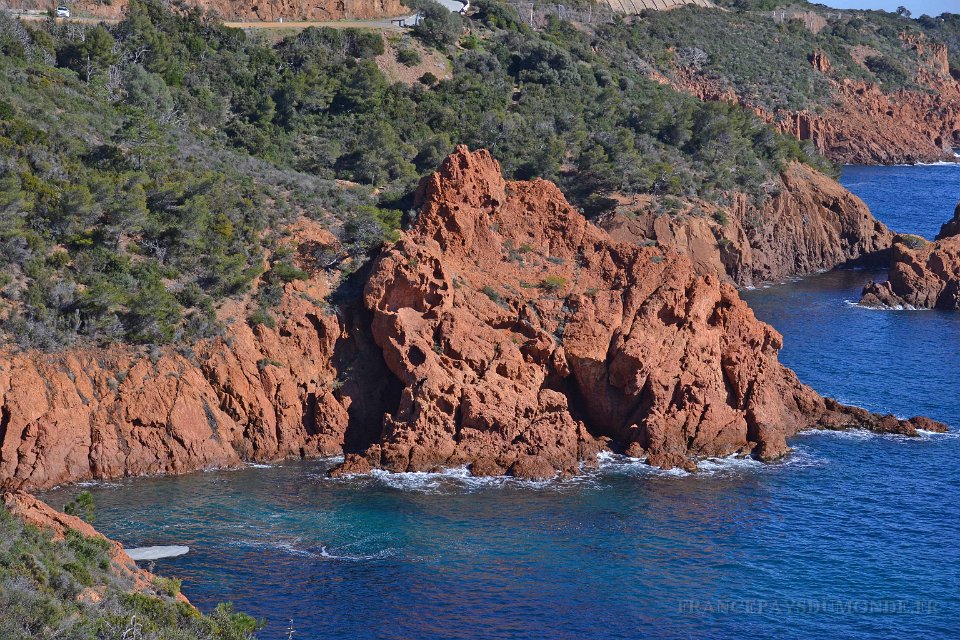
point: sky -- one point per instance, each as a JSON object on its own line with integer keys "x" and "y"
{"x": 918, "y": 7}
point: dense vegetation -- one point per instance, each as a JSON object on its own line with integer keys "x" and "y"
{"x": 41, "y": 580}
{"x": 148, "y": 167}
{"x": 763, "y": 55}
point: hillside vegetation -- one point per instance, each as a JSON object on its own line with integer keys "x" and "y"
{"x": 149, "y": 167}
{"x": 766, "y": 60}
{"x": 46, "y": 591}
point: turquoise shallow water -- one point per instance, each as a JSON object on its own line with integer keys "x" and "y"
{"x": 853, "y": 536}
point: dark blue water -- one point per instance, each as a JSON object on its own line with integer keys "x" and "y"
{"x": 854, "y": 536}
{"x": 909, "y": 199}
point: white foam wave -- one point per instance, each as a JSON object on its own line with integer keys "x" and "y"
{"x": 275, "y": 545}
{"x": 386, "y": 553}
{"x": 607, "y": 463}
{"x": 727, "y": 465}
{"x": 939, "y": 163}
{"x": 899, "y": 307}
{"x": 863, "y": 434}
{"x": 458, "y": 479}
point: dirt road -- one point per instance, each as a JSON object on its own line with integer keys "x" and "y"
{"x": 387, "y": 24}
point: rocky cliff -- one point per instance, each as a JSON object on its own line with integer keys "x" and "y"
{"x": 811, "y": 224}
{"x": 923, "y": 275}
{"x": 503, "y": 332}
{"x": 242, "y": 10}
{"x": 526, "y": 339}
{"x": 259, "y": 394}
{"x": 863, "y": 123}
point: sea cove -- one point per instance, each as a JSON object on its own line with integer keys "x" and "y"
{"x": 851, "y": 535}
{"x": 478, "y": 320}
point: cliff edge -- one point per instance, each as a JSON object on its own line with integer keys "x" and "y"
{"x": 922, "y": 275}
{"x": 502, "y": 331}
{"x": 526, "y": 340}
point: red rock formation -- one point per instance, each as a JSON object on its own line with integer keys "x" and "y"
{"x": 526, "y": 338}
{"x": 258, "y": 394}
{"x": 812, "y": 224}
{"x": 820, "y": 61}
{"x": 923, "y": 275}
{"x": 952, "y": 226}
{"x": 869, "y": 126}
{"x": 864, "y": 124}
{"x": 242, "y": 10}
{"x": 39, "y": 514}
{"x": 510, "y": 335}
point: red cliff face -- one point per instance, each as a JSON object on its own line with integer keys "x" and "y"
{"x": 923, "y": 275}
{"x": 869, "y": 126}
{"x": 503, "y": 332}
{"x": 864, "y": 124}
{"x": 812, "y": 224}
{"x": 526, "y": 339}
{"x": 259, "y": 394}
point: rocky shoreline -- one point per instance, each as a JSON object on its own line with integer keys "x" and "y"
{"x": 503, "y": 331}
{"x": 922, "y": 274}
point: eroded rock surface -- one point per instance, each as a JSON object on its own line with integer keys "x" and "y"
{"x": 923, "y": 275}
{"x": 503, "y": 332}
{"x": 812, "y": 224}
{"x": 258, "y": 394}
{"x": 526, "y": 339}
{"x": 863, "y": 124}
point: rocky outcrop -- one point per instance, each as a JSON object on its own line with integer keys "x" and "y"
{"x": 527, "y": 339}
{"x": 951, "y": 227}
{"x": 863, "y": 123}
{"x": 243, "y": 10}
{"x": 812, "y": 224}
{"x": 923, "y": 275}
{"x": 868, "y": 126}
{"x": 260, "y": 393}
{"x": 503, "y": 332}
{"x": 34, "y": 511}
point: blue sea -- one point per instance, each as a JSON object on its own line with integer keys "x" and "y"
{"x": 852, "y": 536}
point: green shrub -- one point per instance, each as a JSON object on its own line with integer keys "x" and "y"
{"x": 553, "y": 283}
{"x": 492, "y": 293}
{"x": 82, "y": 507}
{"x": 409, "y": 57}
{"x": 167, "y": 586}
{"x": 41, "y": 582}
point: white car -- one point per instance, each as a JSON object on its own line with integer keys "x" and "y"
{"x": 63, "y": 12}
